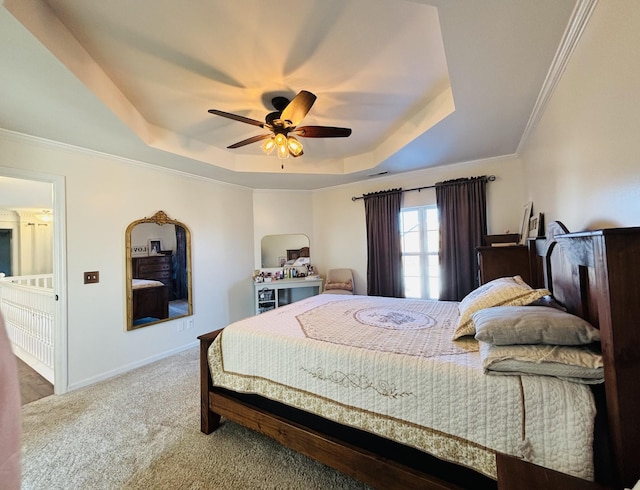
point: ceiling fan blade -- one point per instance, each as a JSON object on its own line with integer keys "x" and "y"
{"x": 298, "y": 107}
{"x": 248, "y": 141}
{"x": 322, "y": 132}
{"x": 236, "y": 117}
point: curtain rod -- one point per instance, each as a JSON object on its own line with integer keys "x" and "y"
{"x": 490, "y": 178}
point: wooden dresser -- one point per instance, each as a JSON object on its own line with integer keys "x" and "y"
{"x": 157, "y": 267}
{"x": 509, "y": 261}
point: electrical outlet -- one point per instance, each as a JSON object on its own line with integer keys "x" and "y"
{"x": 91, "y": 277}
{"x": 190, "y": 323}
{"x": 180, "y": 326}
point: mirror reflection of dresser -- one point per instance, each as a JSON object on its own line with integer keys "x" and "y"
{"x": 156, "y": 267}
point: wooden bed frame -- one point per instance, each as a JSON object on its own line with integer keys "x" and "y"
{"x": 596, "y": 275}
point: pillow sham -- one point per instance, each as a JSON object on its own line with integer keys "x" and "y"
{"x": 347, "y": 286}
{"x": 505, "y": 291}
{"x": 576, "y": 364}
{"x": 506, "y": 325}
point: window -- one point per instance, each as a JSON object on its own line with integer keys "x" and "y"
{"x": 420, "y": 232}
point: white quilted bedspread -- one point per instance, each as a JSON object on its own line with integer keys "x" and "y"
{"x": 389, "y": 366}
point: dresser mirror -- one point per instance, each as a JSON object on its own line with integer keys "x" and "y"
{"x": 158, "y": 284}
{"x": 281, "y": 250}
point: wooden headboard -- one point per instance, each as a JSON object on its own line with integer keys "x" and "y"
{"x": 596, "y": 275}
{"x": 297, "y": 253}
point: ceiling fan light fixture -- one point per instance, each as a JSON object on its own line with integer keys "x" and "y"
{"x": 269, "y": 145}
{"x": 286, "y": 119}
{"x": 295, "y": 147}
{"x": 281, "y": 146}
{"x": 283, "y": 152}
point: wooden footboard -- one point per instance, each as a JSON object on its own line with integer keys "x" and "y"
{"x": 151, "y": 302}
{"x": 209, "y": 421}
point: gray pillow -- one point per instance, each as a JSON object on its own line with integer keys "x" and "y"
{"x": 509, "y": 325}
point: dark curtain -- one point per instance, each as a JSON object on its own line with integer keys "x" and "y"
{"x": 384, "y": 253}
{"x": 180, "y": 264}
{"x": 462, "y": 206}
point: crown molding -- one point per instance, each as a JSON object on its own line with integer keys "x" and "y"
{"x": 579, "y": 19}
{"x": 60, "y": 146}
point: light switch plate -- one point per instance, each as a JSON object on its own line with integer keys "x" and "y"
{"x": 91, "y": 277}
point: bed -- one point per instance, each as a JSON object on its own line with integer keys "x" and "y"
{"x": 592, "y": 274}
{"x": 150, "y": 299}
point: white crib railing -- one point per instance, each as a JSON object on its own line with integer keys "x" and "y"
{"x": 27, "y": 304}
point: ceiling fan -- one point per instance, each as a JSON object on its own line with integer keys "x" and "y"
{"x": 283, "y": 125}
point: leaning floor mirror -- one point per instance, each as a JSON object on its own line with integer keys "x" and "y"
{"x": 158, "y": 284}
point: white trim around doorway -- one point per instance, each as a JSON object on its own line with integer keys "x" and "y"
{"x": 61, "y": 378}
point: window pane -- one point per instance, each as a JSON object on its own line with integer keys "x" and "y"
{"x": 434, "y": 287}
{"x": 411, "y": 242}
{"x": 410, "y": 220}
{"x": 420, "y": 259}
{"x": 433, "y": 241}
{"x": 432, "y": 218}
{"x": 412, "y": 287}
{"x": 411, "y": 265}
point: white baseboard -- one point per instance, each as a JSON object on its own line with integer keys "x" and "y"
{"x": 39, "y": 367}
{"x": 133, "y": 365}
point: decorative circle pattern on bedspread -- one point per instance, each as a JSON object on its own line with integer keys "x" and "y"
{"x": 396, "y": 320}
{"x": 418, "y": 328}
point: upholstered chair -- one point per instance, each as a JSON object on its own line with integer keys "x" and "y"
{"x": 339, "y": 281}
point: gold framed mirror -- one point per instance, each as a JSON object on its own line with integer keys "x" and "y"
{"x": 158, "y": 283}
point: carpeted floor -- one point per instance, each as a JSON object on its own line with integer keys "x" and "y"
{"x": 141, "y": 431}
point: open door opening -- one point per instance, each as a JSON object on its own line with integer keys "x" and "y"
{"x": 28, "y": 300}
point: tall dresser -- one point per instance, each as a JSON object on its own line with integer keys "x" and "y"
{"x": 495, "y": 262}
{"x": 157, "y": 267}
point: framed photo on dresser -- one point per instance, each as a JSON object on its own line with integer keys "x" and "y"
{"x": 154, "y": 246}
{"x": 535, "y": 225}
{"x": 524, "y": 225}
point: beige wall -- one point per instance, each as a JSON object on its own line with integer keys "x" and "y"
{"x": 582, "y": 162}
{"x": 105, "y": 194}
{"x": 281, "y": 212}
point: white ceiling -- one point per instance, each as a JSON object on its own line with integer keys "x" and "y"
{"x": 421, "y": 83}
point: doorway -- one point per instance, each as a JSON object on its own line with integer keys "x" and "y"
{"x": 28, "y": 193}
